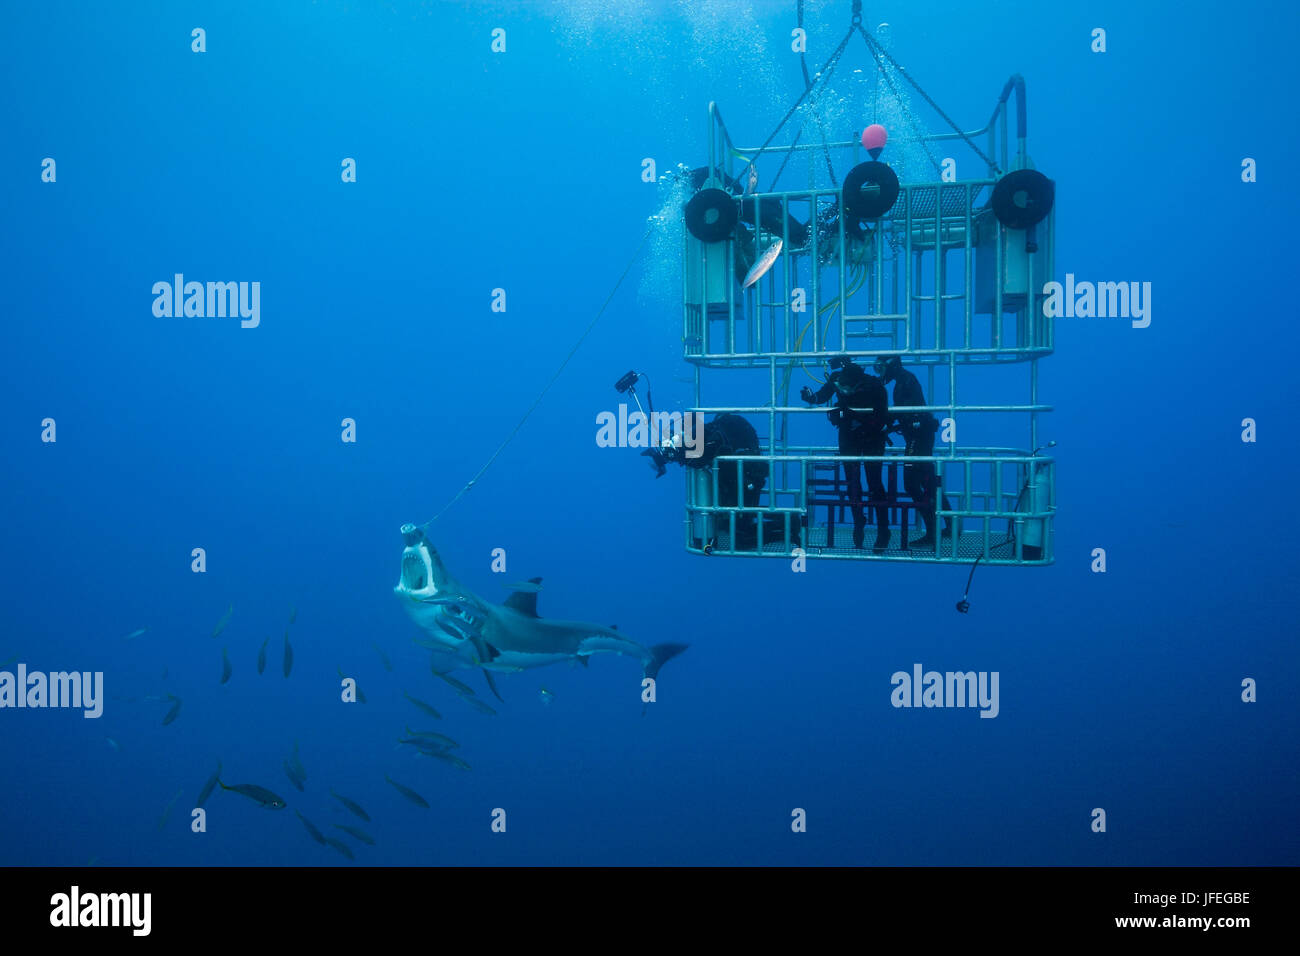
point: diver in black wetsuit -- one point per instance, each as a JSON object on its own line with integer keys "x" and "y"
{"x": 730, "y": 434}
{"x": 861, "y": 414}
{"x": 733, "y": 435}
{"x": 918, "y": 430}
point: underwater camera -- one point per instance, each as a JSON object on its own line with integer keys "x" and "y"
{"x": 659, "y": 457}
{"x": 627, "y": 383}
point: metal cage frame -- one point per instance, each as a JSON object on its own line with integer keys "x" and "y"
{"x": 938, "y": 281}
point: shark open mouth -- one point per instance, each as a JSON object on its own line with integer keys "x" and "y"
{"x": 417, "y": 568}
{"x": 415, "y": 571}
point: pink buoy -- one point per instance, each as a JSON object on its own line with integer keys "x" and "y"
{"x": 874, "y": 139}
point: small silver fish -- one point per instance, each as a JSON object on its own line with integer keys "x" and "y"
{"x": 208, "y": 787}
{"x": 452, "y": 759}
{"x": 430, "y": 735}
{"x": 311, "y": 829}
{"x": 259, "y": 795}
{"x": 136, "y": 633}
{"x": 429, "y": 748}
{"x": 162, "y": 821}
{"x": 478, "y": 705}
{"x": 762, "y": 265}
{"x": 428, "y": 709}
{"x": 340, "y": 846}
{"x": 225, "y": 619}
{"x": 407, "y": 792}
{"x": 351, "y": 805}
{"x": 355, "y": 832}
{"x": 460, "y": 688}
{"x": 288, "y": 654}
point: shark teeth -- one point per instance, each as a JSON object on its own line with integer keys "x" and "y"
{"x": 415, "y": 572}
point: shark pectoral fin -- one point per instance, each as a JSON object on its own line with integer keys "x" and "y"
{"x": 492, "y": 685}
{"x": 485, "y": 653}
{"x": 584, "y": 660}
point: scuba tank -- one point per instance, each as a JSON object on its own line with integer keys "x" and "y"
{"x": 703, "y": 524}
{"x": 1035, "y": 499}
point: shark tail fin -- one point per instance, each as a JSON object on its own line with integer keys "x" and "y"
{"x": 660, "y": 654}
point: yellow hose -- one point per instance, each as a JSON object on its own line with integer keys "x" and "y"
{"x": 856, "y": 280}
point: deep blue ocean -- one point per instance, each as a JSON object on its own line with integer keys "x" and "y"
{"x": 522, "y": 170}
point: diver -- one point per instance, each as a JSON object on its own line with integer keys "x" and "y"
{"x": 861, "y": 414}
{"x": 729, "y": 434}
{"x": 918, "y": 430}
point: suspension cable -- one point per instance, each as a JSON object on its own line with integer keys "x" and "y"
{"x": 786, "y": 159}
{"x": 910, "y": 116}
{"x": 830, "y": 62}
{"x": 875, "y": 47}
{"x": 803, "y": 62}
{"x": 537, "y": 401}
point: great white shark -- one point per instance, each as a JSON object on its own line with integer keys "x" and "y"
{"x": 464, "y": 630}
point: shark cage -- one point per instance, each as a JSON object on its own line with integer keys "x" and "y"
{"x": 944, "y": 273}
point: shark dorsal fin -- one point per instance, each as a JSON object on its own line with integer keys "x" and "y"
{"x": 525, "y": 602}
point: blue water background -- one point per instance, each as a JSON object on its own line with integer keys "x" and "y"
{"x": 522, "y": 171}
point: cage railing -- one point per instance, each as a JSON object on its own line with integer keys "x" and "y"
{"x": 968, "y": 293}
{"x": 936, "y": 279}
